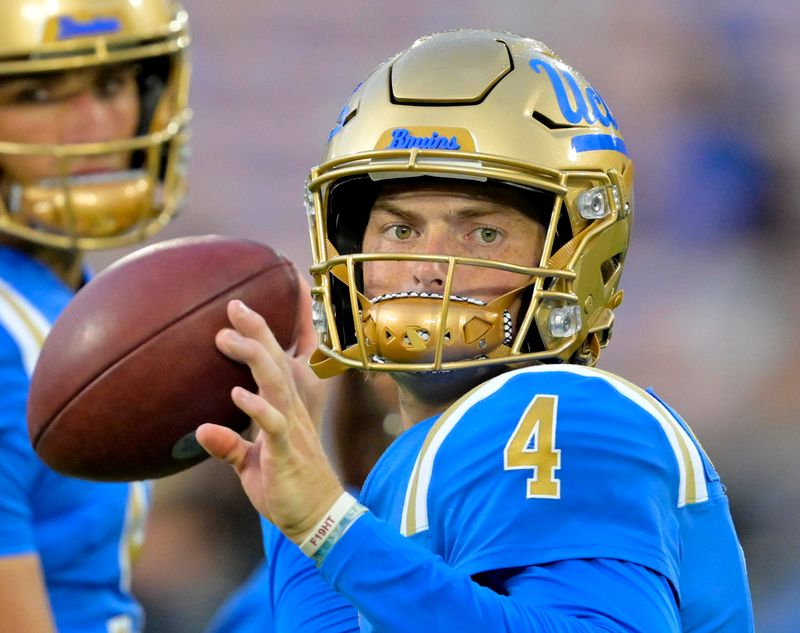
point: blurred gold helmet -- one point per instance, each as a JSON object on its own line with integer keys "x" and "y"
{"x": 485, "y": 106}
{"x": 111, "y": 209}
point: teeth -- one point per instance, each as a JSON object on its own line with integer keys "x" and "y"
{"x": 425, "y": 295}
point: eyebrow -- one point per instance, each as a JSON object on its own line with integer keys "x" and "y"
{"x": 409, "y": 214}
{"x": 46, "y": 77}
{"x": 52, "y": 76}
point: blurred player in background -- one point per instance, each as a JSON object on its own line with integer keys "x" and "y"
{"x": 469, "y": 228}
{"x": 93, "y": 113}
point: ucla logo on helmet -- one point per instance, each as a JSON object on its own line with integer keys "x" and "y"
{"x": 589, "y": 106}
{"x": 344, "y": 114}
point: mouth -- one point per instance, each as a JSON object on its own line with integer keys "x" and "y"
{"x": 425, "y": 295}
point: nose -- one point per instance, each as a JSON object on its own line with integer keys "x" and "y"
{"x": 89, "y": 119}
{"x": 429, "y": 276}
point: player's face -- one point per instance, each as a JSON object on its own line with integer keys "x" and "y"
{"x": 80, "y": 106}
{"x": 450, "y": 218}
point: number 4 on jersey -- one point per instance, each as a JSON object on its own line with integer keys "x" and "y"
{"x": 533, "y": 446}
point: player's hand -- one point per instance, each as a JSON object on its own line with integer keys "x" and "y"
{"x": 285, "y": 471}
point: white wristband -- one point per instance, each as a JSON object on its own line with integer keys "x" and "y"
{"x": 340, "y": 509}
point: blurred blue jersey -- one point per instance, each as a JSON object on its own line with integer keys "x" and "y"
{"x": 249, "y": 608}
{"x": 84, "y": 532}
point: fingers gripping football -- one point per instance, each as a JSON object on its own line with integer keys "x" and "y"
{"x": 285, "y": 471}
{"x": 250, "y": 341}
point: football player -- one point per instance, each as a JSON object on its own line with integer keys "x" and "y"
{"x": 469, "y": 226}
{"x": 93, "y": 120}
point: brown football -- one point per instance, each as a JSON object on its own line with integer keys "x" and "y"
{"x": 130, "y": 369}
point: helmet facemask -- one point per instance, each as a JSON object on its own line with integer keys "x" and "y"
{"x": 419, "y": 331}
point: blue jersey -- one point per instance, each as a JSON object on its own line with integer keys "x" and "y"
{"x": 84, "y": 532}
{"x": 563, "y": 487}
{"x": 555, "y": 499}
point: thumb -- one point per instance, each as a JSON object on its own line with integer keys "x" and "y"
{"x": 223, "y": 443}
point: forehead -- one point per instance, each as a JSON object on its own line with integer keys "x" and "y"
{"x": 473, "y": 196}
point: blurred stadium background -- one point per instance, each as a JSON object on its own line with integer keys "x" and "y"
{"x": 708, "y": 98}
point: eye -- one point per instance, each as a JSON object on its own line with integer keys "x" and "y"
{"x": 115, "y": 80}
{"x": 34, "y": 93}
{"x": 400, "y": 232}
{"x": 487, "y": 234}
{"x": 109, "y": 86}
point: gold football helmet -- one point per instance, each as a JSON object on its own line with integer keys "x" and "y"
{"x": 110, "y": 209}
{"x": 486, "y": 106}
